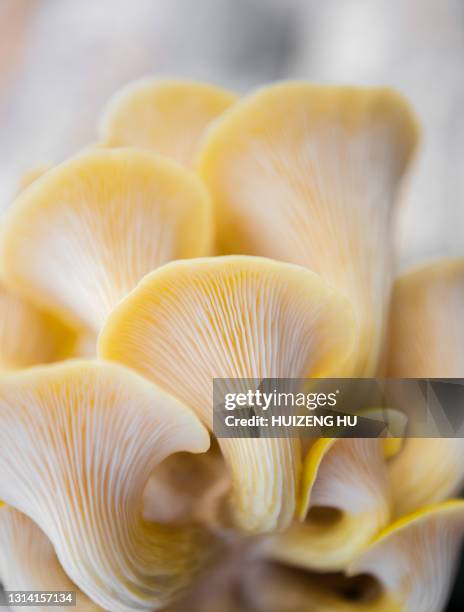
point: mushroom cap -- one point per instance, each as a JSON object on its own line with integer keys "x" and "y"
{"x": 82, "y": 236}
{"x": 426, "y": 335}
{"x": 78, "y": 442}
{"x": 169, "y": 116}
{"x": 427, "y": 341}
{"x": 309, "y": 174}
{"x": 235, "y": 317}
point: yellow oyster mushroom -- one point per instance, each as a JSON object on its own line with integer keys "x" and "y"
{"x": 169, "y": 116}
{"x": 29, "y": 335}
{"x": 79, "y": 238}
{"x": 28, "y": 561}
{"x": 427, "y": 340}
{"x": 415, "y": 558}
{"x": 309, "y": 174}
{"x": 345, "y": 502}
{"x": 78, "y": 442}
{"x": 235, "y": 317}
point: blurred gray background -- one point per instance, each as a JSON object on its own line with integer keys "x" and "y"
{"x": 61, "y": 59}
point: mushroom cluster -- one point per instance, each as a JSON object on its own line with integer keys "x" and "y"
{"x": 205, "y": 236}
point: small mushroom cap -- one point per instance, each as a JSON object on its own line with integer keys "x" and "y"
{"x": 309, "y": 174}
{"x": 169, "y": 116}
{"x": 426, "y": 323}
{"x": 427, "y": 341}
{"x": 243, "y": 318}
{"x": 83, "y": 235}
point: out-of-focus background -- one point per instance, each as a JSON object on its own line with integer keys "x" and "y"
{"x": 61, "y": 59}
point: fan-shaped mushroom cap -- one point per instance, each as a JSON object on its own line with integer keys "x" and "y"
{"x": 28, "y": 335}
{"x": 78, "y": 442}
{"x": 345, "y": 502}
{"x": 28, "y": 561}
{"x": 83, "y": 235}
{"x": 427, "y": 341}
{"x": 166, "y": 115}
{"x": 309, "y": 174}
{"x": 235, "y": 317}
